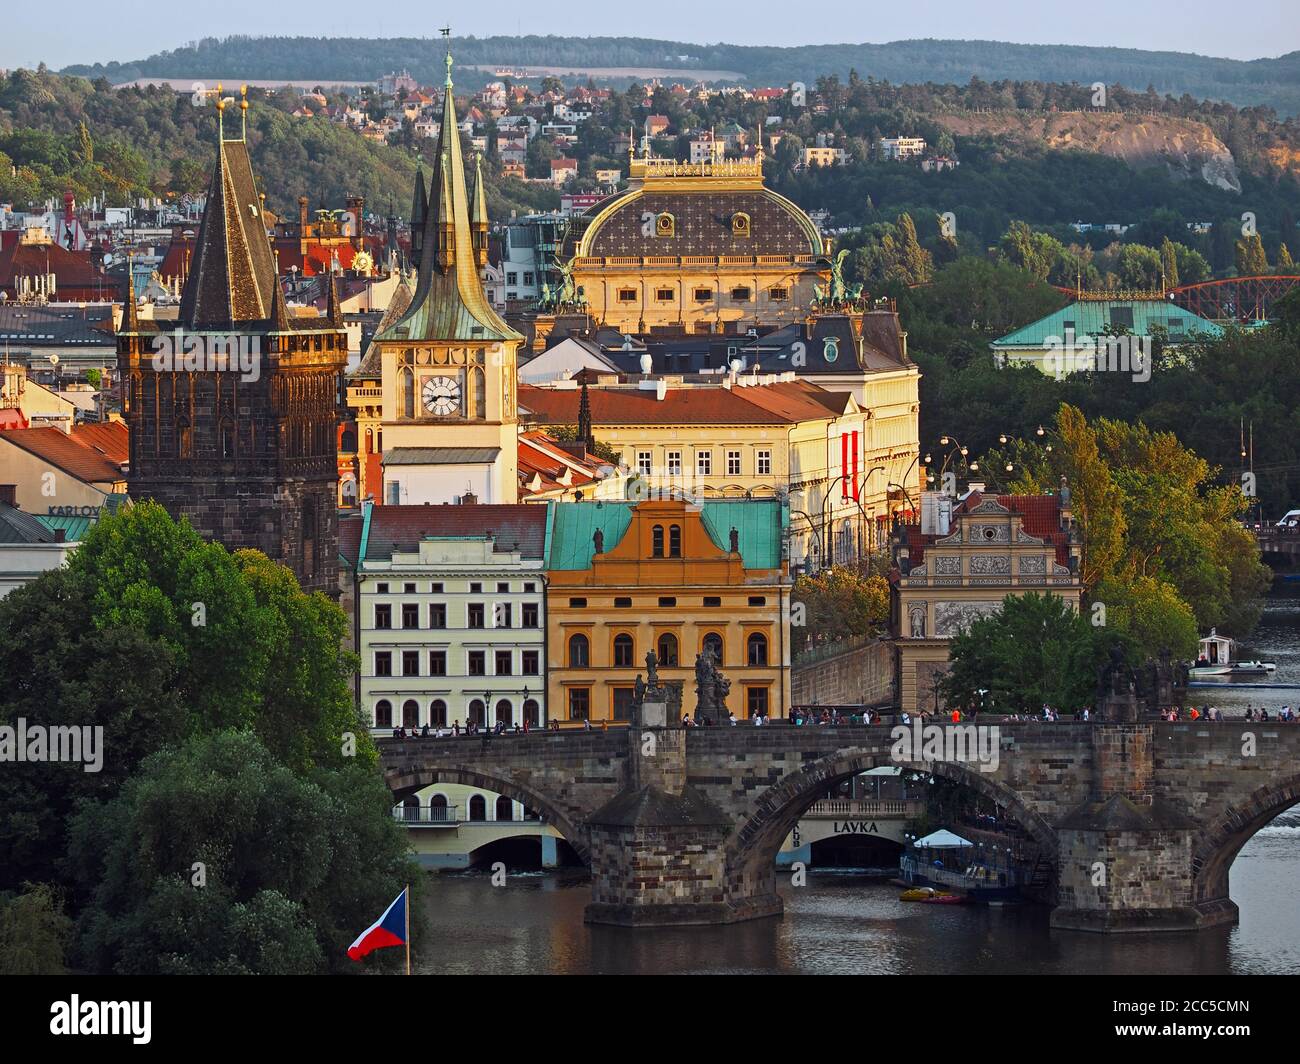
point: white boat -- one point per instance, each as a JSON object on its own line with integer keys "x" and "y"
{"x": 1214, "y": 659}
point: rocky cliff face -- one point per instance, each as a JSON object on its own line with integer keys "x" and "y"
{"x": 1190, "y": 149}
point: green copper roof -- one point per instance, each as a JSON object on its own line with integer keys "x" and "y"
{"x": 1090, "y": 318}
{"x": 74, "y": 528}
{"x": 449, "y": 301}
{"x": 759, "y": 522}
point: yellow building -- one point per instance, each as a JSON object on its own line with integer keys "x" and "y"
{"x": 959, "y": 562}
{"x": 448, "y": 363}
{"x": 625, "y": 579}
{"x": 697, "y": 247}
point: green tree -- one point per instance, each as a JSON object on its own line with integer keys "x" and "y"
{"x": 215, "y": 858}
{"x": 836, "y": 603}
{"x": 33, "y": 932}
{"x": 1035, "y": 650}
{"x": 1250, "y": 257}
{"x": 1169, "y": 263}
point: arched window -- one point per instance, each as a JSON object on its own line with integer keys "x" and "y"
{"x": 383, "y": 713}
{"x": 184, "y": 438}
{"x": 408, "y": 393}
{"x": 438, "y": 713}
{"x": 657, "y": 541}
{"x": 756, "y": 647}
{"x": 624, "y": 651}
{"x": 505, "y": 713}
{"x": 667, "y": 649}
{"x": 530, "y": 713}
{"x": 579, "y": 651}
{"x": 411, "y": 808}
{"x": 505, "y": 808}
{"x": 713, "y": 644}
{"x": 348, "y": 443}
{"x": 410, "y": 713}
{"x": 479, "y": 393}
{"x": 476, "y": 711}
{"x": 438, "y": 811}
{"x": 478, "y": 808}
{"x": 674, "y": 541}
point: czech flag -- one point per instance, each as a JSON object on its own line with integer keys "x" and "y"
{"x": 389, "y": 930}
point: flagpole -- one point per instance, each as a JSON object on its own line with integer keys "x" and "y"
{"x": 407, "y": 908}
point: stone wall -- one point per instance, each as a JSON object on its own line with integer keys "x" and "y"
{"x": 852, "y": 673}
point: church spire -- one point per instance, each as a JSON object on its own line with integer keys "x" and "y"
{"x": 478, "y": 218}
{"x": 130, "y": 316}
{"x": 449, "y": 301}
{"x": 584, "y": 419}
{"x": 419, "y": 208}
{"x": 334, "y": 310}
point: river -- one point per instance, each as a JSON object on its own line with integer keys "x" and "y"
{"x": 845, "y": 923}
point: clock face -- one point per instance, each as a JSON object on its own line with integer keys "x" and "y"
{"x": 441, "y": 395}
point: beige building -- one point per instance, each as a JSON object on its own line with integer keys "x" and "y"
{"x": 959, "y": 562}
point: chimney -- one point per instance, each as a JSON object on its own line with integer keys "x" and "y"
{"x": 60, "y": 535}
{"x": 468, "y": 499}
{"x": 9, "y": 495}
{"x": 302, "y": 217}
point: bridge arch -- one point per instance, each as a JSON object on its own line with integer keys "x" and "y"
{"x": 1217, "y": 846}
{"x": 408, "y": 781}
{"x": 752, "y": 847}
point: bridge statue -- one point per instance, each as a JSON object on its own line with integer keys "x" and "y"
{"x": 711, "y": 689}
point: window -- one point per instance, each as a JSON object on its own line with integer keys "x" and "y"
{"x": 657, "y": 541}
{"x": 665, "y": 224}
{"x": 475, "y": 712}
{"x": 627, "y": 295}
{"x": 713, "y": 644}
{"x": 756, "y": 701}
{"x": 437, "y": 663}
{"x": 778, "y": 295}
{"x": 756, "y": 649}
{"x": 530, "y": 665}
{"x": 622, "y": 703}
{"x": 505, "y": 715}
{"x": 475, "y": 615}
{"x": 664, "y": 295}
{"x": 530, "y": 615}
{"x": 757, "y": 600}
{"x": 530, "y": 713}
{"x": 1122, "y": 316}
{"x": 478, "y": 663}
{"x": 577, "y": 603}
{"x": 503, "y": 589}
{"x": 733, "y": 463}
{"x": 622, "y": 603}
{"x": 410, "y": 713}
{"x": 763, "y": 463}
{"x": 529, "y": 588}
{"x": 383, "y": 713}
{"x": 644, "y": 462}
{"x": 504, "y": 663}
{"x": 624, "y": 651}
{"x": 408, "y": 589}
{"x": 674, "y": 541}
{"x": 475, "y": 589}
{"x": 528, "y": 277}
{"x": 477, "y": 808}
{"x": 505, "y": 807}
{"x": 579, "y": 651}
{"x": 438, "y": 715}
{"x": 502, "y": 615}
{"x": 383, "y": 615}
{"x": 713, "y": 600}
{"x": 667, "y": 650}
{"x": 703, "y": 295}
{"x": 579, "y": 703}
{"x": 382, "y": 589}
{"x": 435, "y": 589}
{"x": 703, "y": 463}
{"x": 512, "y": 277}
{"x": 438, "y": 615}
{"x": 740, "y": 294}
{"x": 410, "y": 615}
{"x": 383, "y": 663}
{"x": 674, "y": 463}
{"x": 410, "y": 663}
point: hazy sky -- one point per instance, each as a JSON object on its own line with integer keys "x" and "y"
{"x": 82, "y": 31}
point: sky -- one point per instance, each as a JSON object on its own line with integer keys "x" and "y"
{"x": 89, "y": 31}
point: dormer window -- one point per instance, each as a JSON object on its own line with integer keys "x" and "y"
{"x": 665, "y": 225}
{"x": 831, "y": 348}
{"x": 740, "y": 224}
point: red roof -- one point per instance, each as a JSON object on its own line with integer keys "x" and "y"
{"x": 109, "y": 438}
{"x": 520, "y": 526}
{"x": 74, "y": 273}
{"x": 63, "y": 452}
{"x": 770, "y": 404}
{"x": 1041, "y": 517}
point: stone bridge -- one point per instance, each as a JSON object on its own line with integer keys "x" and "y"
{"x": 1142, "y": 820}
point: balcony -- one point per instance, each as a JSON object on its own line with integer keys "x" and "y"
{"x": 427, "y": 816}
{"x": 830, "y": 808}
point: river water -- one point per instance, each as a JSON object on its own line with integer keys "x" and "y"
{"x": 846, "y": 923}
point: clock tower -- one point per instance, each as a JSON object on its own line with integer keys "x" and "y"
{"x": 448, "y": 364}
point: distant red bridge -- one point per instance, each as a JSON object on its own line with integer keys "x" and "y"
{"x": 1239, "y": 299}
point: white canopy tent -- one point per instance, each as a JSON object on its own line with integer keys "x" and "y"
{"x": 943, "y": 839}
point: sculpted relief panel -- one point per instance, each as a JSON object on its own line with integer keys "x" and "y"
{"x": 990, "y": 564}
{"x": 950, "y": 618}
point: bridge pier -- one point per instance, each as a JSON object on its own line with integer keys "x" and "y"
{"x": 1125, "y": 856}
{"x": 658, "y": 849}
